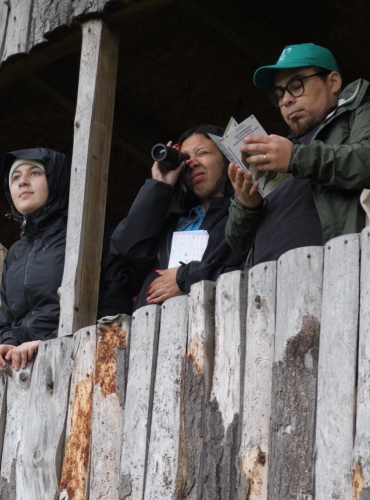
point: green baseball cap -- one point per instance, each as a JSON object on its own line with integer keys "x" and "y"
{"x": 296, "y": 56}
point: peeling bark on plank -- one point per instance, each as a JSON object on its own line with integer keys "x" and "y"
{"x": 18, "y": 29}
{"x": 76, "y": 461}
{"x": 254, "y": 455}
{"x": 109, "y": 404}
{"x": 139, "y": 401}
{"x": 224, "y": 410}
{"x": 195, "y": 389}
{"x": 164, "y": 436}
{"x": 89, "y": 177}
{"x": 41, "y": 448}
{"x": 337, "y": 369}
{"x": 4, "y": 16}
{"x": 361, "y": 452}
{"x": 48, "y": 15}
{"x": 292, "y": 432}
{"x": 86, "y": 7}
{"x": 2, "y": 257}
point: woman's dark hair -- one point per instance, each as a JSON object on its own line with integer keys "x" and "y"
{"x": 215, "y": 130}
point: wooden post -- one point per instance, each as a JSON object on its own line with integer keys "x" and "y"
{"x": 225, "y": 406}
{"x": 139, "y": 401}
{"x": 4, "y": 13}
{"x": 2, "y": 257}
{"x": 109, "y": 405}
{"x": 292, "y": 428}
{"x": 337, "y": 369}
{"x": 164, "y": 436}
{"x": 90, "y": 164}
{"x": 361, "y": 453}
{"x": 254, "y": 456}
{"x": 18, "y": 28}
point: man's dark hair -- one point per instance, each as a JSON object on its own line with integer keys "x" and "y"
{"x": 215, "y": 130}
{"x": 325, "y": 73}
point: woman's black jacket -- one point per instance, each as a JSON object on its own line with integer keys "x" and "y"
{"x": 30, "y": 303}
{"x": 143, "y": 240}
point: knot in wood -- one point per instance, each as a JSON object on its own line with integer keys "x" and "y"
{"x": 23, "y": 377}
{"x": 37, "y": 455}
{"x": 77, "y": 124}
{"x": 51, "y": 386}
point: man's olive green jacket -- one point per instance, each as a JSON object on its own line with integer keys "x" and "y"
{"x": 337, "y": 162}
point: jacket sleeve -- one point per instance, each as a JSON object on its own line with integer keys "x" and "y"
{"x": 241, "y": 227}
{"x": 345, "y": 166}
{"x": 135, "y": 239}
{"x": 6, "y": 318}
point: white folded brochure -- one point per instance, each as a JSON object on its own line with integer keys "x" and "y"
{"x": 230, "y": 144}
{"x": 187, "y": 246}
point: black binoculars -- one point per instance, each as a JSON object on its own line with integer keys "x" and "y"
{"x": 170, "y": 157}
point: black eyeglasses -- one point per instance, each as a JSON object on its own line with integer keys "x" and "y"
{"x": 295, "y": 88}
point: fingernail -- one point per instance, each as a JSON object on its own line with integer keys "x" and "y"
{"x": 158, "y": 270}
{"x": 148, "y": 293}
{"x": 189, "y": 162}
{"x": 177, "y": 146}
{"x": 150, "y": 301}
{"x": 149, "y": 287}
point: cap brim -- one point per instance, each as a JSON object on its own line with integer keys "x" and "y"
{"x": 264, "y": 77}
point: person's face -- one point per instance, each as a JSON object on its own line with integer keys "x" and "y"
{"x": 203, "y": 175}
{"x": 29, "y": 188}
{"x": 304, "y": 113}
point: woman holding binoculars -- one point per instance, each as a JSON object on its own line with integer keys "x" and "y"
{"x": 194, "y": 195}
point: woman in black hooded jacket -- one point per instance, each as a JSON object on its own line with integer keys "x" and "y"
{"x": 37, "y": 189}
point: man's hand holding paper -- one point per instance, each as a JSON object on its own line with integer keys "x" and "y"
{"x": 274, "y": 152}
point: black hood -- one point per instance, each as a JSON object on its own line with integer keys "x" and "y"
{"x": 57, "y": 171}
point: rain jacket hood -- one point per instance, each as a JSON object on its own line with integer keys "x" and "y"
{"x": 57, "y": 171}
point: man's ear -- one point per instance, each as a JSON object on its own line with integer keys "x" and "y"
{"x": 335, "y": 82}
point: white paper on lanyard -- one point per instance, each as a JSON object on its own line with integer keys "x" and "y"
{"x": 187, "y": 246}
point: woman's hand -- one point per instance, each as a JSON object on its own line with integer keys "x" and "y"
{"x": 21, "y": 354}
{"x": 245, "y": 189}
{"x": 4, "y": 349}
{"x": 164, "y": 287}
{"x": 163, "y": 174}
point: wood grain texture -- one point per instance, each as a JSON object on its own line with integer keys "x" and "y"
{"x": 3, "y": 251}
{"x": 42, "y": 445}
{"x": 90, "y": 164}
{"x": 254, "y": 454}
{"x": 139, "y": 401}
{"x": 361, "y": 452}
{"x": 17, "y": 386}
{"x": 337, "y": 369}
{"x": 74, "y": 484}
{"x": 109, "y": 404}
{"x": 224, "y": 409}
{"x": 47, "y": 15}
{"x": 292, "y": 433}
{"x": 196, "y": 382}
{"x": 18, "y": 29}
{"x": 4, "y": 16}
{"x": 165, "y": 431}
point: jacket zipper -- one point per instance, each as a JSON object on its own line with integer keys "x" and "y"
{"x": 25, "y": 279}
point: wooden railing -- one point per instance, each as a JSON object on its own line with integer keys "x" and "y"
{"x": 256, "y": 387}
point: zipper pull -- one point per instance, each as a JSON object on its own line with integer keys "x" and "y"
{"x": 24, "y": 222}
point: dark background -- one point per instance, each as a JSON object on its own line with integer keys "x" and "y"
{"x": 187, "y": 64}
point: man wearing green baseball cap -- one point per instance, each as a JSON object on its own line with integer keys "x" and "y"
{"x": 327, "y": 153}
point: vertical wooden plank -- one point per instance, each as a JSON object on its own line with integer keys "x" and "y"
{"x": 76, "y": 461}
{"x": 3, "y": 411}
{"x": 109, "y": 403}
{"x": 292, "y": 433}
{"x": 41, "y": 448}
{"x": 164, "y": 436}
{"x": 90, "y": 164}
{"x": 224, "y": 409}
{"x": 196, "y": 383}
{"x": 254, "y": 455}
{"x": 16, "y": 388}
{"x": 18, "y": 29}
{"x": 139, "y": 401}
{"x": 4, "y": 16}
{"x": 2, "y": 257}
{"x": 361, "y": 452}
{"x": 337, "y": 369}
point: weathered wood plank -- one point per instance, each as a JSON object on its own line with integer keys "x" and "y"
{"x": 139, "y": 401}
{"x": 337, "y": 369}
{"x": 298, "y": 312}
{"x": 85, "y": 7}
{"x": 15, "y": 389}
{"x": 41, "y": 448}
{"x": 47, "y": 15}
{"x": 76, "y": 460}
{"x": 2, "y": 257}
{"x": 109, "y": 403}
{"x": 18, "y": 29}
{"x": 3, "y": 410}
{"x": 361, "y": 452}
{"x": 254, "y": 455}
{"x": 196, "y": 383}
{"x": 90, "y": 164}
{"x": 164, "y": 436}
{"x": 224, "y": 409}
{"x": 4, "y": 16}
